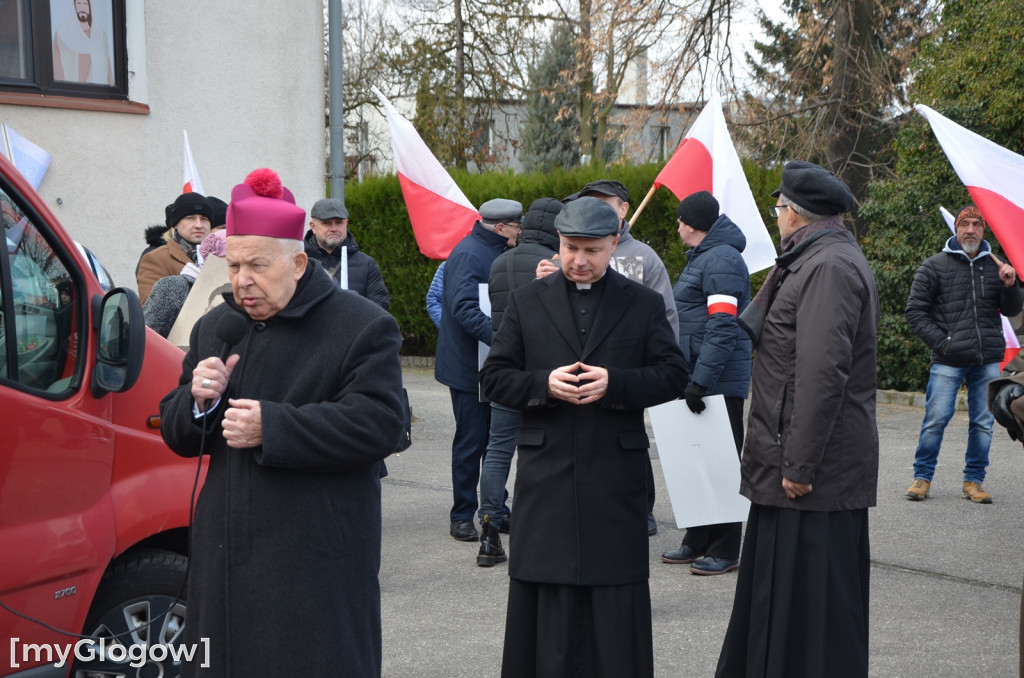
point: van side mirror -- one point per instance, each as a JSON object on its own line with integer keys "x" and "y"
{"x": 121, "y": 341}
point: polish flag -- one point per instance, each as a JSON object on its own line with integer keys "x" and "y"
{"x": 706, "y": 160}
{"x": 993, "y": 177}
{"x": 190, "y": 176}
{"x": 440, "y": 213}
{"x": 1009, "y": 336}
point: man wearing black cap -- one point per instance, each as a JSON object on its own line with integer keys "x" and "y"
{"x": 581, "y": 353}
{"x": 640, "y": 263}
{"x": 331, "y": 243}
{"x": 954, "y": 307}
{"x": 511, "y": 270}
{"x": 188, "y": 221}
{"x": 810, "y": 458}
{"x": 463, "y": 327}
{"x": 711, "y": 291}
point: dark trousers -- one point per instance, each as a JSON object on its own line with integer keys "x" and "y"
{"x": 723, "y": 540}
{"x": 472, "y": 424}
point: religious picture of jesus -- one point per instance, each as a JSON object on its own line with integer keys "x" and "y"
{"x": 83, "y": 43}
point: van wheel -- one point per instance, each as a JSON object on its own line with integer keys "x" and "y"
{"x": 136, "y": 618}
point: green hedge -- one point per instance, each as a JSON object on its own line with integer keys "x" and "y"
{"x": 380, "y": 224}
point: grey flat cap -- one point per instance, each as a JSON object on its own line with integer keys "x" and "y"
{"x": 501, "y": 210}
{"x": 329, "y": 208}
{"x": 587, "y": 217}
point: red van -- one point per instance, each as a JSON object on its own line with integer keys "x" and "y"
{"x": 93, "y": 506}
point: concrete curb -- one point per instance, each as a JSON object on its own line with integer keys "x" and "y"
{"x": 905, "y": 398}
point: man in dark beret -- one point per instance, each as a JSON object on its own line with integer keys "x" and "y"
{"x": 810, "y": 455}
{"x": 954, "y": 307}
{"x": 581, "y": 353}
{"x": 463, "y": 327}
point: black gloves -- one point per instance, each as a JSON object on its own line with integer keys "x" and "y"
{"x": 1001, "y": 408}
{"x": 693, "y": 395}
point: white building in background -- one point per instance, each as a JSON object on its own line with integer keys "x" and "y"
{"x": 638, "y": 132}
{"x": 245, "y": 79}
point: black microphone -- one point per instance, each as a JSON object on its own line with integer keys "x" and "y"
{"x": 230, "y": 328}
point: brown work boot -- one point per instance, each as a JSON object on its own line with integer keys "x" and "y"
{"x": 975, "y": 493}
{"x": 919, "y": 490}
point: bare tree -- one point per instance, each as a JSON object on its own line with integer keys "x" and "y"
{"x": 829, "y": 83}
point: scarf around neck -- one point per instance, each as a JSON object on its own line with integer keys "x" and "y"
{"x": 189, "y": 248}
{"x": 793, "y": 246}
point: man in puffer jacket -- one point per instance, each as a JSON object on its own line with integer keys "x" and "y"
{"x": 712, "y": 290}
{"x": 954, "y": 307}
{"x": 328, "y": 238}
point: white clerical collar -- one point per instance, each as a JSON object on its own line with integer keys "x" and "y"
{"x": 583, "y": 286}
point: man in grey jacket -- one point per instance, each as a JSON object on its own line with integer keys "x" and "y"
{"x": 954, "y": 307}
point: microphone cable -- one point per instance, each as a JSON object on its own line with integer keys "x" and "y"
{"x": 230, "y": 328}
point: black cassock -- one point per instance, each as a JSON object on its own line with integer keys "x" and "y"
{"x": 578, "y": 600}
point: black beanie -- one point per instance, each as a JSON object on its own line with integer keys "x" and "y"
{"x": 220, "y": 211}
{"x": 186, "y": 204}
{"x": 698, "y": 210}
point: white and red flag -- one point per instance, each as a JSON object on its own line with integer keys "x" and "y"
{"x": 1009, "y": 336}
{"x": 440, "y": 213}
{"x": 31, "y": 160}
{"x": 993, "y": 175}
{"x": 706, "y": 160}
{"x": 190, "y": 175}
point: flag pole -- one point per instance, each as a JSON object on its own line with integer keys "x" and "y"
{"x": 8, "y": 153}
{"x": 643, "y": 204}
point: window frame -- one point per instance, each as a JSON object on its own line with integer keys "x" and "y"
{"x": 8, "y": 299}
{"x": 40, "y": 81}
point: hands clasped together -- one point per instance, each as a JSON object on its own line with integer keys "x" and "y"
{"x": 578, "y": 383}
{"x": 242, "y": 424}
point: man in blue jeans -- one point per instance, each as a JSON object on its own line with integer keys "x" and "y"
{"x": 513, "y": 268}
{"x": 954, "y": 307}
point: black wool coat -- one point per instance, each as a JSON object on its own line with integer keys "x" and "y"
{"x": 285, "y": 543}
{"x": 580, "y": 494}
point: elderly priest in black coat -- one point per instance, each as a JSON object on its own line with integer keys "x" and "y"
{"x": 285, "y": 545}
{"x": 581, "y": 353}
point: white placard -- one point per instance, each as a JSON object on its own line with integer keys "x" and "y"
{"x": 482, "y": 348}
{"x": 699, "y": 462}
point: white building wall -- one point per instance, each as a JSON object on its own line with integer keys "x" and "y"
{"x": 245, "y": 79}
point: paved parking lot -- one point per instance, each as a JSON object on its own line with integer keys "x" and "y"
{"x": 946, "y": 574}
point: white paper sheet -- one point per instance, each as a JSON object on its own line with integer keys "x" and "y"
{"x": 699, "y": 462}
{"x": 482, "y": 348}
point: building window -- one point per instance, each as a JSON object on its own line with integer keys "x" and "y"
{"x": 660, "y": 150}
{"x": 613, "y": 146}
{"x": 483, "y": 137}
{"x": 73, "y": 48}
